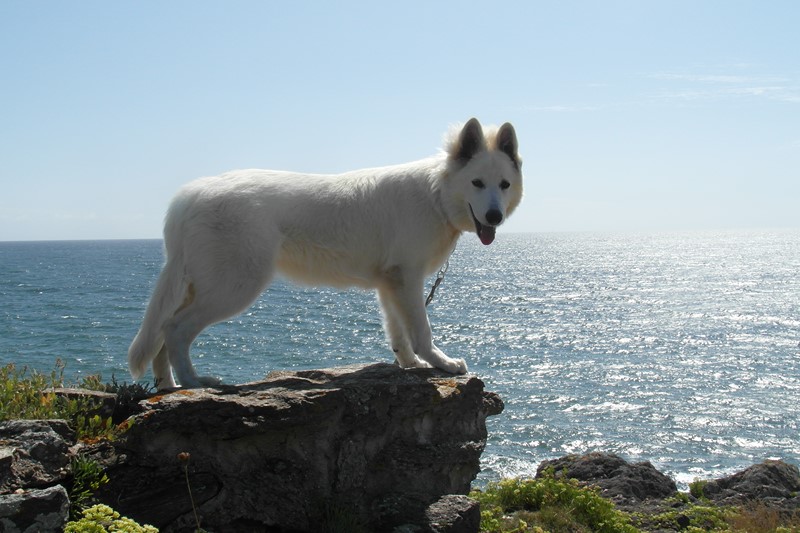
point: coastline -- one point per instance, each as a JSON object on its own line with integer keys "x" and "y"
{"x": 127, "y": 436}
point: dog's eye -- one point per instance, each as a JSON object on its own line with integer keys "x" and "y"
{"x": 504, "y": 185}
{"x": 478, "y": 183}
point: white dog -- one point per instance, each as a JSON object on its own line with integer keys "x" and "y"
{"x": 382, "y": 228}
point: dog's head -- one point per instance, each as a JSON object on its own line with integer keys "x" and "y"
{"x": 483, "y": 182}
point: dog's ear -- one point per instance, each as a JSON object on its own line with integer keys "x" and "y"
{"x": 507, "y": 143}
{"x": 470, "y": 141}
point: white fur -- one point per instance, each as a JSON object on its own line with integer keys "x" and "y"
{"x": 382, "y": 228}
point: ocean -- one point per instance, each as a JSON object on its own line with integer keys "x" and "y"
{"x": 677, "y": 348}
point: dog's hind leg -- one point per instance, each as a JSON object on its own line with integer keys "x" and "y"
{"x": 180, "y": 332}
{"x": 162, "y": 371}
{"x": 406, "y": 296}
{"x": 208, "y": 307}
{"x": 224, "y": 288}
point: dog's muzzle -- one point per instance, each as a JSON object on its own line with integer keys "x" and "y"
{"x": 486, "y": 232}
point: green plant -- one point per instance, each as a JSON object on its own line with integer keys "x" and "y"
{"x": 124, "y": 391}
{"x": 548, "y": 503}
{"x": 104, "y": 519}
{"x": 93, "y": 382}
{"x": 87, "y": 478}
{"x": 95, "y": 427}
{"x": 706, "y": 517}
{"x": 761, "y": 518}
{"x": 697, "y": 489}
{"x": 679, "y": 498}
{"x": 30, "y": 395}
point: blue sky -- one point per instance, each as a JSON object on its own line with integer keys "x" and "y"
{"x": 631, "y": 115}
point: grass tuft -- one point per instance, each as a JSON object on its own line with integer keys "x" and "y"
{"x": 548, "y": 504}
{"x": 31, "y": 395}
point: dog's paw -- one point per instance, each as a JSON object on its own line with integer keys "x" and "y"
{"x": 199, "y": 382}
{"x": 209, "y": 381}
{"x": 455, "y": 366}
{"x": 419, "y": 363}
{"x": 166, "y": 384}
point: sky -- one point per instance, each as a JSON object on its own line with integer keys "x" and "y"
{"x": 631, "y": 115}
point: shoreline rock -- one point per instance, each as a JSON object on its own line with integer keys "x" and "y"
{"x": 377, "y": 443}
{"x": 618, "y": 480}
{"x": 639, "y": 487}
{"x": 773, "y": 482}
{"x": 374, "y": 447}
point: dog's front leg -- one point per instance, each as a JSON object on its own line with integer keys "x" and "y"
{"x": 407, "y": 298}
{"x": 396, "y": 332}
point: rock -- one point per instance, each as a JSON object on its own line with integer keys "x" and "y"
{"x": 34, "y": 453}
{"x": 772, "y": 482}
{"x": 453, "y": 514}
{"x": 373, "y": 446}
{"x": 104, "y": 403}
{"x": 117, "y": 405}
{"x": 450, "y": 514}
{"x": 617, "y": 479}
{"x": 34, "y": 511}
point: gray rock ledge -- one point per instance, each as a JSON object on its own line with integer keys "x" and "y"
{"x": 374, "y": 446}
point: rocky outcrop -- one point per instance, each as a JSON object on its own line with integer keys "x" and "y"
{"x": 452, "y": 514}
{"x": 617, "y": 479}
{"x": 375, "y": 446}
{"x": 34, "y": 453}
{"x": 366, "y": 448}
{"x": 772, "y": 482}
{"x": 363, "y": 448}
{"x": 34, "y": 510}
{"x": 34, "y": 461}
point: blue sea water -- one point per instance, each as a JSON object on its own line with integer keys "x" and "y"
{"x": 677, "y": 348}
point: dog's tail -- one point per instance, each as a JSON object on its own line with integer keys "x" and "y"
{"x": 172, "y": 290}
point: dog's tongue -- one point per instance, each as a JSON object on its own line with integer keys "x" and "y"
{"x": 486, "y": 234}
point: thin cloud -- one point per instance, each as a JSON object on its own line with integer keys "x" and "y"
{"x": 714, "y": 78}
{"x": 685, "y": 87}
{"x": 774, "y": 93}
{"x": 726, "y": 86}
{"x": 560, "y": 108}
{"x": 718, "y": 78}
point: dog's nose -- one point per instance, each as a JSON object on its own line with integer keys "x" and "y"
{"x": 494, "y": 217}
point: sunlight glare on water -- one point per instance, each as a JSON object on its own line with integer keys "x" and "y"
{"x": 680, "y": 349}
